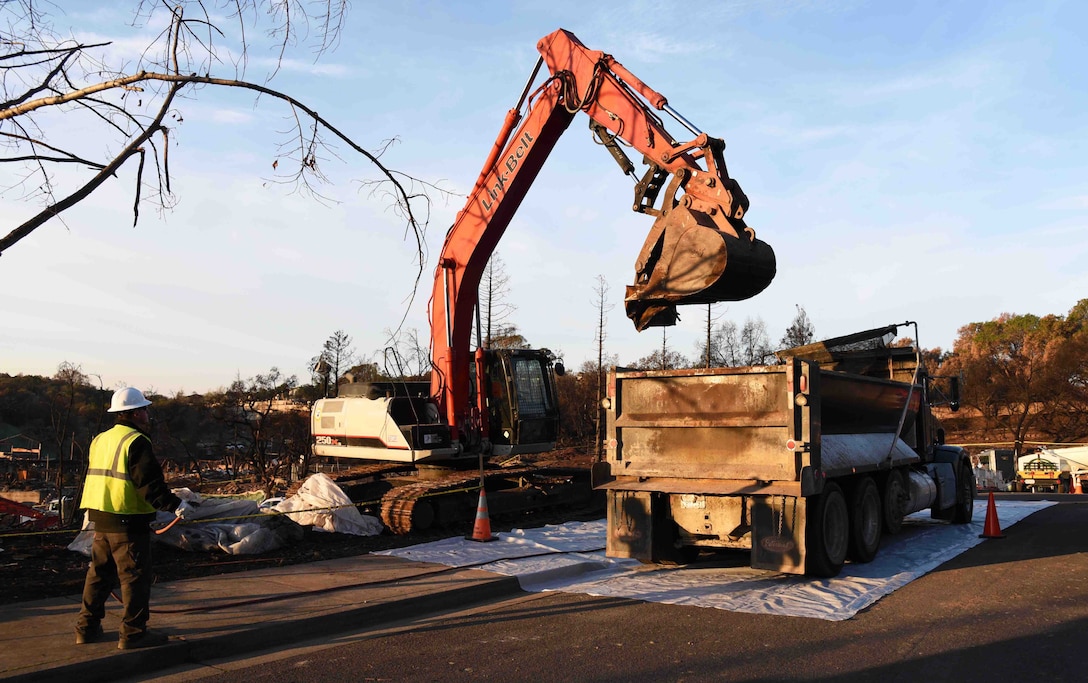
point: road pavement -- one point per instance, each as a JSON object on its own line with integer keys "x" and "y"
{"x": 1008, "y": 609}
{"x": 1012, "y": 609}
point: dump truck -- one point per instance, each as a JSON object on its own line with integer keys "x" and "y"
{"x": 804, "y": 463}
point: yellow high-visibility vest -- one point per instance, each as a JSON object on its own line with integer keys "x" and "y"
{"x": 108, "y": 486}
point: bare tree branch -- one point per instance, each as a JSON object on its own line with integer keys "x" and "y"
{"x": 99, "y": 178}
{"x": 44, "y": 73}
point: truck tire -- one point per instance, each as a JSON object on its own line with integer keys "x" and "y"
{"x": 965, "y": 495}
{"x": 865, "y": 520}
{"x": 827, "y": 532}
{"x": 895, "y": 501}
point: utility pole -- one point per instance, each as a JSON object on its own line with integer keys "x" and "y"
{"x": 708, "y": 325}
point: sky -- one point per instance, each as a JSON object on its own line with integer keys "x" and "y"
{"x": 921, "y": 161}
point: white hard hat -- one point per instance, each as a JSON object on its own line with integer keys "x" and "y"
{"x": 129, "y": 398}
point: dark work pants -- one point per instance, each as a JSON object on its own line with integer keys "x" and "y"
{"x": 125, "y": 558}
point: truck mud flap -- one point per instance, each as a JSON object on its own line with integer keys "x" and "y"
{"x": 778, "y": 533}
{"x": 640, "y": 527}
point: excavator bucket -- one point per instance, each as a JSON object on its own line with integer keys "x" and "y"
{"x": 696, "y": 257}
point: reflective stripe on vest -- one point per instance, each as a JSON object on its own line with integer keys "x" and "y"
{"x": 108, "y": 486}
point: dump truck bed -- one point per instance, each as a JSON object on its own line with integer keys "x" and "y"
{"x": 765, "y": 429}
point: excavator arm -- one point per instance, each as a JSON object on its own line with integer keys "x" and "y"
{"x": 699, "y": 249}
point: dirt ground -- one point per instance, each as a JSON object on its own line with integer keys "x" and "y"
{"x": 38, "y": 565}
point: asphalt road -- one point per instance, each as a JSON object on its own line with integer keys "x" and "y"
{"x": 1012, "y": 609}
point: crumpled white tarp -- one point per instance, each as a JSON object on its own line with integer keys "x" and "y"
{"x": 233, "y": 526}
{"x": 322, "y": 504}
{"x": 570, "y": 558}
{"x": 239, "y": 527}
{"x": 230, "y": 525}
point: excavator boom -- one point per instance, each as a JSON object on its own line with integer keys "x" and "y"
{"x": 699, "y": 249}
{"x": 503, "y": 401}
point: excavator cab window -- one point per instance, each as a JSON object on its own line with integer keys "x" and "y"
{"x": 523, "y": 411}
{"x": 533, "y": 397}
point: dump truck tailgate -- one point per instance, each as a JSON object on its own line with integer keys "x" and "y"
{"x": 735, "y": 428}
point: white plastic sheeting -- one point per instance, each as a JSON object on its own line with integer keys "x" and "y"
{"x": 229, "y": 525}
{"x": 232, "y": 526}
{"x": 570, "y": 558}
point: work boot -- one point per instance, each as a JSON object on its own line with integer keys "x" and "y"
{"x": 146, "y": 639}
{"x": 91, "y": 633}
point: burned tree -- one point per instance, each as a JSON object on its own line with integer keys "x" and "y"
{"x": 800, "y": 332}
{"x": 337, "y": 355}
{"x": 267, "y": 433}
{"x": 495, "y": 307}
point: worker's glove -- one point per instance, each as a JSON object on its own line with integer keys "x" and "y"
{"x": 187, "y": 509}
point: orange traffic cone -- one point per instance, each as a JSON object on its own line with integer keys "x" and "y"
{"x": 481, "y": 531}
{"x": 992, "y": 528}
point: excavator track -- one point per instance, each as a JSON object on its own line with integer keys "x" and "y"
{"x": 405, "y": 508}
{"x": 418, "y": 506}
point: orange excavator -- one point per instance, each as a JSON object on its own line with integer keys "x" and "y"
{"x": 503, "y": 401}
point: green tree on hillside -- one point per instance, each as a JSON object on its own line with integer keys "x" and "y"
{"x": 186, "y": 431}
{"x": 1027, "y": 374}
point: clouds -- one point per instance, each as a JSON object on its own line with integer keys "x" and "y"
{"x": 323, "y": 68}
{"x": 1077, "y": 202}
{"x": 650, "y": 47}
{"x": 231, "y": 117}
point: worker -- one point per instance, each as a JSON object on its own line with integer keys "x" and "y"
{"x": 1065, "y": 481}
{"x": 123, "y": 489}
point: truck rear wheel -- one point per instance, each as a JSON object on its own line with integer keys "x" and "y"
{"x": 965, "y": 495}
{"x": 865, "y": 521}
{"x": 827, "y": 532}
{"x": 894, "y": 499}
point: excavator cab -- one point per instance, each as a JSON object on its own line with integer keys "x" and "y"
{"x": 522, "y": 401}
